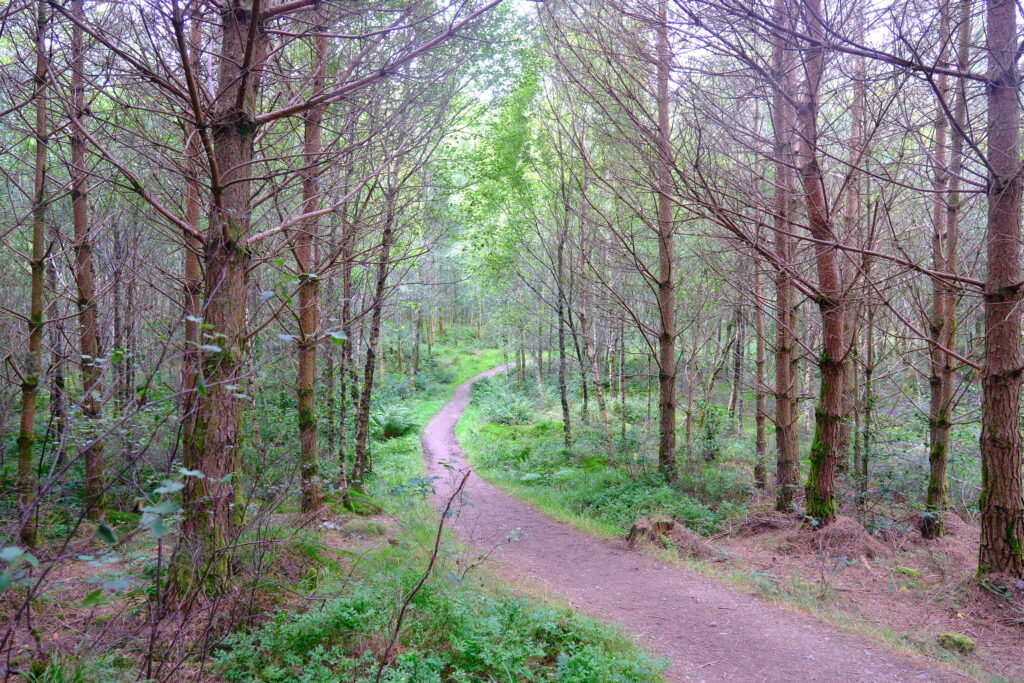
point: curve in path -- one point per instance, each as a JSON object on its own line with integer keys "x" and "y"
{"x": 708, "y": 630}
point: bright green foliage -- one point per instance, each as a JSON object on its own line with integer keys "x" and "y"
{"x": 456, "y": 629}
{"x": 391, "y": 422}
{"x": 459, "y": 633}
{"x": 502, "y": 403}
{"x": 596, "y": 480}
{"x": 956, "y": 642}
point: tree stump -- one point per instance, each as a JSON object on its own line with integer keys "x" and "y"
{"x": 650, "y": 529}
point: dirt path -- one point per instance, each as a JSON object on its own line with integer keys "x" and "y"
{"x": 707, "y": 629}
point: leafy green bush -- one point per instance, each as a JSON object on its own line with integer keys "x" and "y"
{"x": 717, "y": 484}
{"x": 503, "y": 403}
{"x": 585, "y": 482}
{"x": 711, "y": 423}
{"x": 457, "y": 632}
{"x": 391, "y": 422}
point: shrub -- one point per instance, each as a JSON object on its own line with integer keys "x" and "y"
{"x": 956, "y": 642}
{"x": 391, "y": 422}
{"x": 459, "y": 633}
{"x": 503, "y": 403}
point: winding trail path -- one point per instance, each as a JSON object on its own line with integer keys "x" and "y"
{"x": 708, "y": 630}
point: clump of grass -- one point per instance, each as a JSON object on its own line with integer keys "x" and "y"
{"x": 956, "y": 642}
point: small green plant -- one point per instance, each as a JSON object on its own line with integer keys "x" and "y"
{"x": 458, "y": 631}
{"x": 906, "y": 571}
{"x": 712, "y": 420}
{"x": 956, "y": 642}
{"x": 391, "y": 422}
{"x": 503, "y": 403}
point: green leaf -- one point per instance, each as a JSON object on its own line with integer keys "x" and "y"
{"x": 337, "y": 338}
{"x": 117, "y": 585}
{"x": 201, "y": 384}
{"x": 165, "y": 507}
{"x": 11, "y": 553}
{"x": 106, "y": 534}
{"x": 155, "y": 524}
{"x": 94, "y": 598}
{"x": 169, "y": 486}
{"x": 5, "y": 582}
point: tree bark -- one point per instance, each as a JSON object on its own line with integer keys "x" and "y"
{"x": 311, "y": 498}
{"x": 563, "y": 393}
{"x": 826, "y": 446}
{"x": 760, "y": 450}
{"x": 1002, "y": 509}
{"x": 213, "y": 438}
{"x": 665, "y": 277}
{"x": 589, "y": 338}
{"x": 361, "y": 457}
{"x": 414, "y": 356}
{"x": 941, "y": 327}
{"x": 25, "y": 479}
{"x": 739, "y": 342}
{"x": 788, "y": 458}
{"x": 192, "y": 289}
{"x": 88, "y": 334}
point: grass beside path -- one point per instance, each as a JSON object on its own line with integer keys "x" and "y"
{"x": 603, "y": 483}
{"x": 458, "y": 627}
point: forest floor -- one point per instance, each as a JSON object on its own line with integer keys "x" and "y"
{"x": 707, "y": 629}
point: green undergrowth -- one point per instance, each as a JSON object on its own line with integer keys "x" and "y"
{"x": 462, "y": 625}
{"x": 603, "y": 483}
{"x": 458, "y": 627}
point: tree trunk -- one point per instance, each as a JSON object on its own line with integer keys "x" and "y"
{"x": 88, "y": 334}
{"x": 788, "y": 458}
{"x": 853, "y": 228}
{"x": 31, "y": 368}
{"x": 58, "y": 355}
{"x": 584, "y": 390}
{"x": 738, "y": 348}
{"x": 213, "y": 438}
{"x": 869, "y": 404}
{"x": 826, "y": 446}
{"x": 666, "y": 284}
{"x": 414, "y": 356}
{"x": 760, "y": 465}
{"x": 361, "y": 458}
{"x": 589, "y": 344}
{"x": 346, "y": 365}
{"x": 1002, "y": 509}
{"x": 538, "y": 364}
{"x": 941, "y": 327}
{"x": 563, "y": 393}
{"x": 622, "y": 378}
{"x": 192, "y": 277}
{"x": 306, "y": 259}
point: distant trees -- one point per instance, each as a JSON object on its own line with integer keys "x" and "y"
{"x": 870, "y": 125}
{"x": 240, "y": 131}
